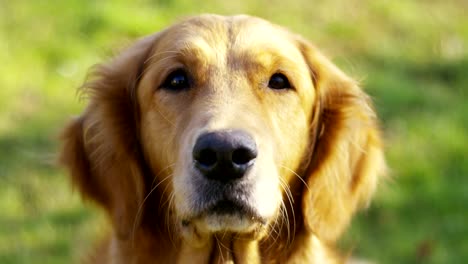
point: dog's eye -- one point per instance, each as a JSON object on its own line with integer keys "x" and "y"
{"x": 279, "y": 81}
{"x": 176, "y": 81}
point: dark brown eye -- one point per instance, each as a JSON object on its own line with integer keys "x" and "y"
{"x": 176, "y": 81}
{"x": 278, "y": 81}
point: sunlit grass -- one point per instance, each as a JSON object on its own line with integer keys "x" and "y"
{"x": 410, "y": 55}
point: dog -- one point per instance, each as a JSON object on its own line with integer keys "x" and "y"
{"x": 224, "y": 140}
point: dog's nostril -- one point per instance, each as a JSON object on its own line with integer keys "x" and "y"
{"x": 224, "y": 155}
{"x": 206, "y": 157}
{"x": 243, "y": 156}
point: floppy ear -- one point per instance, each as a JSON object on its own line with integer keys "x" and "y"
{"x": 347, "y": 157}
{"x": 100, "y": 147}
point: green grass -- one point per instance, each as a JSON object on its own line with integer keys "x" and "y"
{"x": 411, "y": 55}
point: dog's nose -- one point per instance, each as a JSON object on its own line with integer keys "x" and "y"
{"x": 224, "y": 155}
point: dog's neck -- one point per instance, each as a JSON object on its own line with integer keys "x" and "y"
{"x": 219, "y": 250}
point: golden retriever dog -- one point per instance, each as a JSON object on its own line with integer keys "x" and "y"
{"x": 223, "y": 140}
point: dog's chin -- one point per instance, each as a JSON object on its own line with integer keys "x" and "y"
{"x": 198, "y": 232}
{"x": 228, "y": 220}
{"x": 225, "y": 217}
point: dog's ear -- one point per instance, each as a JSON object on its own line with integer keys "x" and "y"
{"x": 347, "y": 158}
{"x": 100, "y": 147}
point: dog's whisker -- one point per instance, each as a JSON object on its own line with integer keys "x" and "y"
{"x": 169, "y": 210}
{"x": 140, "y": 208}
{"x": 286, "y": 222}
{"x": 168, "y": 219}
{"x": 290, "y": 199}
{"x": 218, "y": 243}
{"x": 167, "y": 201}
{"x": 223, "y": 245}
{"x": 160, "y": 172}
{"x": 297, "y": 175}
{"x": 276, "y": 228}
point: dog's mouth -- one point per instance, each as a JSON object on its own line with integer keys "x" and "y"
{"x": 226, "y": 214}
{"x": 229, "y": 207}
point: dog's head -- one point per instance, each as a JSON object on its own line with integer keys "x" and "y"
{"x": 234, "y": 124}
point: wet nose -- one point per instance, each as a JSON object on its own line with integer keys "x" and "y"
{"x": 224, "y": 155}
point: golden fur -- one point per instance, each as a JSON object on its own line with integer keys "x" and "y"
{"x": 319, "y": 148}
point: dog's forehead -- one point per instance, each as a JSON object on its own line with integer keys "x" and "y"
{"x": 214, "y": 35}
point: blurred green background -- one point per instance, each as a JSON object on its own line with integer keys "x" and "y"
{"x": 411, "y": 56}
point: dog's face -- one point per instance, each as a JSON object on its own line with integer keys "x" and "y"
{"x": 225, "y": 124}
{"x": 225, "y": 106}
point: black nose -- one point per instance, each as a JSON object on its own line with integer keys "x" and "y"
{"x": 224, "y": 155}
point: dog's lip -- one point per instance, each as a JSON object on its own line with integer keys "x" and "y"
{"x": 229, "y": 207}
{"x": 232, "y": 207}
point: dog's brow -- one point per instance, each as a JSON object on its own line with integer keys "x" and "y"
{"x": 197, "y": 48}
{"x": 266, "y": 59}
